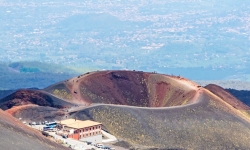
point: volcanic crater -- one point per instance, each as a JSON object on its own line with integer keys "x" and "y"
{"x": 147, "y": 109}
{"x": 128, "y": 88}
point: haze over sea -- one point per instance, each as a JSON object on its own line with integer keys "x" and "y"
{"x": 200, "y": 40}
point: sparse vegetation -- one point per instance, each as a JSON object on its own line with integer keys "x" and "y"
{"x": 207, "y": 122}
{"x": 123, "y": 144}
{"x": 62, "y": 93}
{"x": 190, "y": 128}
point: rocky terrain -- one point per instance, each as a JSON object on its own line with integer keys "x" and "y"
{"x": 147, "y": 110}
{"x": 25, "y": 97}
{"x": 17, "y": 136}
{"x": 126, "y": 88}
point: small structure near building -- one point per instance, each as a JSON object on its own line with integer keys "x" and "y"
{"x": 81, "y": 130}
{"x": 49, "y": 126}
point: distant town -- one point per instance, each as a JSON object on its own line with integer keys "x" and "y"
{"x": 126, "y": 35}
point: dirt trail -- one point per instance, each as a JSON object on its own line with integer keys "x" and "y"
{"x": 131, "y": 88}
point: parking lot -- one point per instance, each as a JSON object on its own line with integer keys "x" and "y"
{"x": 74, "y": 144}
{"x": 79, "y": 145}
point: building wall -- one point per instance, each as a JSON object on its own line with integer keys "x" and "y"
{"x": 85, "y": 133}
{"x": 74, "y": 136}
{"x": 94, "y": 139}
{"x": 90, "y": 131}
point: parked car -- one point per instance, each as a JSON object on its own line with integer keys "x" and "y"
{"x": 33, "y": 123}
{"x": 99, "y": 145}
{"x": 88, "y": 143}
{"x": 44, "y": 122}
{"x": 93, "y": 144}
{"x": 45, "y": 133}
{"x": 106, "y": 147}
{"x": 65, "y": 137}
{"x": 53, "y": 130}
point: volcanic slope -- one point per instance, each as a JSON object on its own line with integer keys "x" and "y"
{"x": 36, "y": 113}
{"x": 126, "y": 88}
{"x": 226, "y": 96}
{"x": 209, "y": 123}
{"x": 35, "y": 105}
{"x": 24, "y": 97}
{"x": 17, "y": 136}
{"x": 159, "y": 111}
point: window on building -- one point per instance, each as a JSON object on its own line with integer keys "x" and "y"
{"x": 90, "y": 134}
{"x": 86, "y": 129}
{"x": 96, "y": 127}
{"x": 87, "y": 135}
{"x": 99, "y": 127}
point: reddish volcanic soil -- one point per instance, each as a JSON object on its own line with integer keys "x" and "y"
{"x": 128, "y": 88}
{"x": 156, "y": 110}
{"x": 25, "y": 97}
{"x": 145, "y": 109}
{"x": 16, "y": 135}
{"x": 229, "y": 98}
{"x": 36, "y": 113}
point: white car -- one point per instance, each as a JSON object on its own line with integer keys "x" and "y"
{"x": 99, "y": 145}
